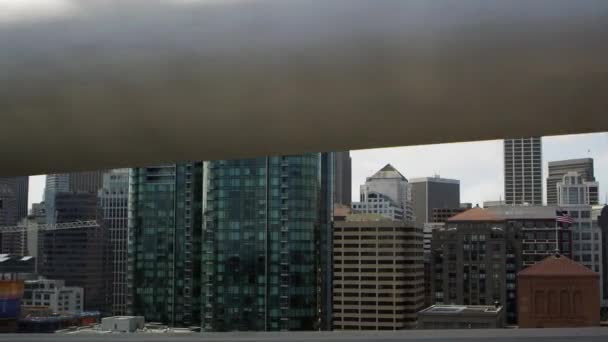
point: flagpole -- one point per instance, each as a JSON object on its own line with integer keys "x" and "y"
{"x": 556, "y": 238}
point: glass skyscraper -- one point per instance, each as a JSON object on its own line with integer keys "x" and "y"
{"x": 265, "y": 254}
{"x": 164, "y": 248}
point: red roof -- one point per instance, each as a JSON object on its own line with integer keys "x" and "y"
{"x": 558, "y": 265}
{"x": 475, "y": 214}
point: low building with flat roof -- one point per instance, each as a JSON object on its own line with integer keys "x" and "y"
{"x": 461, "y": 317}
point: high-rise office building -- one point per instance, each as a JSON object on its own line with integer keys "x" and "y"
{"x": 164, "y": 250}
{"x": 600, "y": 217}
{"x": 378, "y": 273}
{"x": 573, "y": 196}
{"x": 523, "y": 171}
{"x": 9, "y": 214}
{"x": 343, "y": 178}
{"x": 114, "y": 201}
{"x": 475, "y": 260}
{"x": 23, "y": 186}
{"x": 79, "y": 256}
{"x": 264, "y": 251}
{"x": 55, "y": 183}
{"x": 559, "y": 168}
{"x": 387, "y": 193}
{"x": 430, "y": 193}
{"x": 86, "y": 181}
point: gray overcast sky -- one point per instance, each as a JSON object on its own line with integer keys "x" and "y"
{"x": 478, "y": 165}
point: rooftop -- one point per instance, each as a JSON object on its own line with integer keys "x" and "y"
{"x": 475, "y": 214}
{"x": 388, "y": 171}
{"x": 558, "y": 265}
{"x": 461, "y": 309}
{"x": 435, "y": 179}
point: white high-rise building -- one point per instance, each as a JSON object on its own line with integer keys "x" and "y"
{"x": 114, "y": 199}
{"x": 387, "y": 193}
{"x": 523, "y": 171}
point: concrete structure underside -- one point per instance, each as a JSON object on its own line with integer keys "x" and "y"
{"x": 443, "y": 67}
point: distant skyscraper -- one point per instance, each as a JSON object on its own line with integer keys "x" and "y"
{"x": 343, "y": 178}
{"x": 523, "y": 171}
{"x": 558, "y": 169}
{"x": 387, "y": 193}
{"x": 22, "y": 196}
{"x": 9, "y": 214}
{"x": 79, "y": 255}
{"x": 265, "y": 256}
{"x": 86, "y": 181}
{"x": 55, "y": 183}
{"x": 165, "y": 220}
{"x": 114, "y": 199}
{"x": 430, "y": 193}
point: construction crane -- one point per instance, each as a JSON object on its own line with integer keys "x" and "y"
{"x": 49, "y": 227}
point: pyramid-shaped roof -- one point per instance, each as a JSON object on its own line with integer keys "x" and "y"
{"x": 388, "y": 171}
{"x": 475, "y": 214}
{"x": 558, "y": 265}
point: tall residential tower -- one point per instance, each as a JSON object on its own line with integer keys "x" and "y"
{"x": 265, "y": 254}
{"x": 164, "y": 251}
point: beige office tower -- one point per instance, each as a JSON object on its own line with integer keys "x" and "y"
{"x": 378, "y": 273}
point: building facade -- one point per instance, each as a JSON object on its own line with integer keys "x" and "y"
{"x": 55, "y": 183}
{"x": 164, "y": 248}
{"x": 573, "y": 196}
{"x": 431, "y": 193}
{"x": 600, "y": 216}
{"x": 54, "y": 295}
{"x": 79, "y": 256}
{"x": 114, "y": 201}
{"x": 387, "y": 193}
{"x": 343, "y": 178}
{"x": 523, "y": 171}
{"x": 558, "y": 293}
{"x": 378, "y": 273}
{"x": 428, "y": 237}
{"x": 9, "y": 214}
{"x": 559, "y": 168}
{"x": 265, "y": 242}
{"x": 542, "y": 235}
{"x": 475, "y": 259}
{"x": 86, "y": 181}
{"x": 441, "y": 215}
{"x": 23, "y": 187}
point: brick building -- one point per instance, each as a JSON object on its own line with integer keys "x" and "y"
{"x": 558, "y": 292}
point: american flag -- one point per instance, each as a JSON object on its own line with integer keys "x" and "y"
{"x": 562, "y": 216}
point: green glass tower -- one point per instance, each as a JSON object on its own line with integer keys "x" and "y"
{"x": 263, "y": 243}
{"x": 164, "y": 250}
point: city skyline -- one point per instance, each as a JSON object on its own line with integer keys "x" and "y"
{"x": 484, "y": 182}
